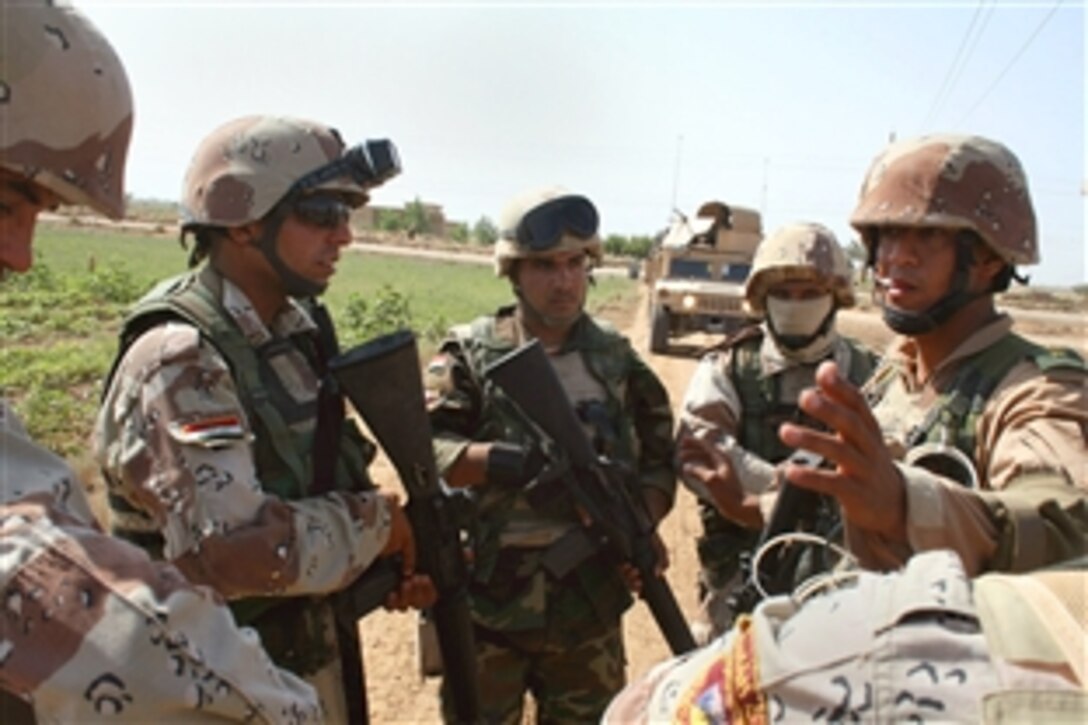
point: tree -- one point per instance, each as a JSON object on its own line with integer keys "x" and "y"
{"x": 415, "y": 216}
{"x": 485, "y": 232}
{"x": 459, "y": 232}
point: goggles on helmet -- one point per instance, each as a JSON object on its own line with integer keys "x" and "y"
{"x": 327, "y": 211}
{"x": 543, "y": 227}
{"x": 368, "y": 165}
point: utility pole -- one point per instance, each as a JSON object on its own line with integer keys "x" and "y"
{"x": 676, "y": 171}
{"x": 766, "y": 177}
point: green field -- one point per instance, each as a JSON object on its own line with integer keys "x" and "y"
{"x": 59, "y": 322}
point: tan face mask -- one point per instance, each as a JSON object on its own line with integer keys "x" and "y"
{"x": 800, "y": 318}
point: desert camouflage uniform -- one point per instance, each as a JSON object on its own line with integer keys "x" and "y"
{"x": 925, "y": 644}
{"x": 750, "y": 368}
{"x": 216, "y": 471}
{"x": 742, "y": 392}
{"x": 1028, "y": 441}
{"x": 567, "y": 630}
{"x": 1017, "y": 411}
{"x": 92, "y": 629}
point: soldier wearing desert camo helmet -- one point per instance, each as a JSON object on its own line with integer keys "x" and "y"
{"x": 728, "y": 446}
{"x": 259, "y": 485}
{"x": 962, "y": 483}
{"x": 92, "y": 628}
{"x": 558, "y": 638}
{"x": 976, "y": 441}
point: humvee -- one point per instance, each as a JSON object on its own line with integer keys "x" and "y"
{"x": 696, "y": 273}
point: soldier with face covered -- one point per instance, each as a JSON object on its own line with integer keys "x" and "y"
{"x": 90, "y": 628}
{"x": 554, "y": 635}
{"x": 978, "y": 438}
{"x": 222, "y": 439}
{"x": 961, "y": 485}
{"x": 727, "y": 444}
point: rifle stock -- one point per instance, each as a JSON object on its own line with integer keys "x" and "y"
{"x": 382, "y": 379}
{"x": 619, "y": 520}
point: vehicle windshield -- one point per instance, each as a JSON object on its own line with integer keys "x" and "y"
{"x": 689, "y": 269}
{"x": 735, "y": 272}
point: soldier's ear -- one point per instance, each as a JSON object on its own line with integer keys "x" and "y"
{"x": 987, "y": 265}
{"x": 244, "y": 235}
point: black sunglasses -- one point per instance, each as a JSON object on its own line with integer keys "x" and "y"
{"x": 368, "y": 165}
{"x": 543, "y": 227}
{"x": 327, "y": 211}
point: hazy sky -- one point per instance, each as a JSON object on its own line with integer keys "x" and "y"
{"x": 641, "y": 106}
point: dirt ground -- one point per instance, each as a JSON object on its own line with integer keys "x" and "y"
{"x": 398, "y": 694}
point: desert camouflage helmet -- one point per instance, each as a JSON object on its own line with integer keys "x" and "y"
{"x": 574, "y": 219}
{"x": 954, "y": 182}
{"x": 800, "y": 251}
{"x": 65, "y": 104}
{"x": 243, "y": 168}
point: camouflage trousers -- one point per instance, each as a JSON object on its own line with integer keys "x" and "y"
{"x": 568, "y": 684}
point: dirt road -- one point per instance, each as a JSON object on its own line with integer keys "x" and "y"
{"x": 396, "y": 692}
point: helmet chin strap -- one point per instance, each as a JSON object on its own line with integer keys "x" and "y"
{"x": 294, "y": 284}
{"x": 906, "y": 322}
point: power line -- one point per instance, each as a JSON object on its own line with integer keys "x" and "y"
{"x": 953, "y": 69}
{"x": 1012, "y": 62}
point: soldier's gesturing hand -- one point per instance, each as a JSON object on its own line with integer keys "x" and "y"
{"x": 861, "y": 474}
{"x": 704, "y": 463}
{"x": 415, "y": 590}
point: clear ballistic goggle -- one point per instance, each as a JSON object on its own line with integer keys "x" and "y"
{"x": 543, "y": 227}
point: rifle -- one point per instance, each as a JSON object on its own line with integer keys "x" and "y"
{"x": 795, "y": 509}
{"x": 799, "y": 509}
{"x": 618, "y": 521}
{"x": 382, "y": 379}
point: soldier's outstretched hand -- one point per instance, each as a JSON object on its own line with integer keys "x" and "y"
{"x": 860, "y": 472}
{"x": 415, "y": 590}
{"x": 707, "y": 465}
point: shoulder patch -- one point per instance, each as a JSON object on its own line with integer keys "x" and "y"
{"x": 213, "y": 431}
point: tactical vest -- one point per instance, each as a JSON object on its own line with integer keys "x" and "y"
{"x": 500, "y": 574}
{"x": 762, "y": 410}
{"x": 724, "y": 543}
{"x": 283, "y": 455}
{"x": 953, "y": 418}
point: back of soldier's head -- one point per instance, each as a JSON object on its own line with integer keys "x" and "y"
{"x": 66, "y": 110}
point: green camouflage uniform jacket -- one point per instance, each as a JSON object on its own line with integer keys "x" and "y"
{"x": 510, "y": 591}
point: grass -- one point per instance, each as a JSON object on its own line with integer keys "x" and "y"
{"x": 59, "y": 322}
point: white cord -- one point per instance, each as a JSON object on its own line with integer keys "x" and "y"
{"x": 813, "y": 584}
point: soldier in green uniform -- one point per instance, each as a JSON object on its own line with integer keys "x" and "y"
{"x": 557, "y": 637}
{"x": 224, "y": 446}
{"x": 742, "y": 391}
